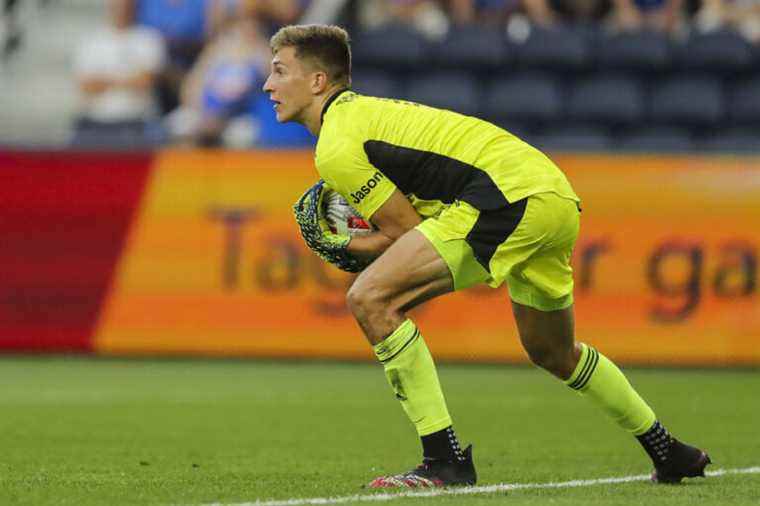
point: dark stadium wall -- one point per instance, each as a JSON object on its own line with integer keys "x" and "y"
{"x": 64, "y": 218}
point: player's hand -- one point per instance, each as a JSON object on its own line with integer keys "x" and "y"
{"x": 329, "y": 246}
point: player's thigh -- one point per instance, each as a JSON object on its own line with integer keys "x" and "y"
{"x": 535, "y": 259}
{"x": 450, "y": 235}
{"x": 408, "y": 273}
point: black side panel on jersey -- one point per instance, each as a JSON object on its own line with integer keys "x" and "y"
{"x": 432, "y": 176}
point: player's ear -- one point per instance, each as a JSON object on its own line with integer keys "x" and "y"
{"x": 318, "y": 82}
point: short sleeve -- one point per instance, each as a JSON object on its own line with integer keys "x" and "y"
{"x": 86, "y": 57}
{"x": 348, "y": 171}
{"x": 150, "y": 49}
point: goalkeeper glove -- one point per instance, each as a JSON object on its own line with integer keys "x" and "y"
{"x": 329, "y": 246}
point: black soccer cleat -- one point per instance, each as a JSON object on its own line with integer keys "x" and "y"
{"x": 683, "y": 461}
{"x": 433, "y": 473}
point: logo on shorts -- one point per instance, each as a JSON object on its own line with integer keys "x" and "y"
{"x": 365, "y": 189}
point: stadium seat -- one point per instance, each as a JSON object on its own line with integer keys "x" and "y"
{"x": 688, "y": 101}
{"x": 474, "y": 47}
{"x": 642, "y": 51}
{"x": 734, "y": 140}
{"x": 88, "y": 135}
{"x": 609, "y": 99}
{"x": 375, "y": 83}
{"x": 744, "y": 106}
{"x": 562, "y": 48}
{"x": 656, "y": 139}
{"x": 529, "y": 97}
{"x": 393, "y": 46}
{"x": 719, "y": 51}
{"x": 456, "y": 91}
{"x": 573, "y": 138}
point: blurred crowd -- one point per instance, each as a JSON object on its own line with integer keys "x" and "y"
{"x": 190, "y": 72}
{"x": 182, "y": 72}
{"x": 674, "y": 17}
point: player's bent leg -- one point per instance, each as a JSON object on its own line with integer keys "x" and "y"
{"x": 547, "y": 336}
{"x": 535, "y": 261}
{"x": 410, "y": 272}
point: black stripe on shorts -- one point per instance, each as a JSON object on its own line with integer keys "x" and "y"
{"x": 492, "y": 228}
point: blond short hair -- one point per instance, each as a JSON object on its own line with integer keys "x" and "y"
{"x": 326, "y": 47}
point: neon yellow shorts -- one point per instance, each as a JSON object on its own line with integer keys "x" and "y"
{"x": 528, "y": 244}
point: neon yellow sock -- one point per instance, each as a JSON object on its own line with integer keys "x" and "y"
{"x": 411, "y": 372}
{"x": 597, "y": 378}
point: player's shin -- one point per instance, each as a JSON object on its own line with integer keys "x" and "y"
{"x": 411, "y": 373}
{"x": 598, "y": 379}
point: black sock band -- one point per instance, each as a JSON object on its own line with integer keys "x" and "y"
{"x": 442, "y": 445}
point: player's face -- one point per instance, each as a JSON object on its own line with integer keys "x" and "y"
{"x": 288, "y": 86}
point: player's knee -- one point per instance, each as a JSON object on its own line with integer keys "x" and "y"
{"x": 554, "y": 360}
{"x": 540, "y": 356}
{"x": 364, "y": 298}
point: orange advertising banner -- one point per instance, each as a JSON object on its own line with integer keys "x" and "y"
{"x": 665, "y": 268}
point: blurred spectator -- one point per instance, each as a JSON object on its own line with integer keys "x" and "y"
{"x": 10, "y": 32}
{"x": 666, "y": 16}
{"x": 551, "y": 12}
{"x": 222, "y": 100}
{"x": 624, "y": 15}
{"x": 742, "y": 15}
{"x": 185, "y": 25}
{"x": 426, "y": 16}
{"x": 116, "y": 67}
{"x": 484, "y": 12}
{"x": 272, "y": 14}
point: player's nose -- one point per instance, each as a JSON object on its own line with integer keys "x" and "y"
{"x": 267, "y": 87}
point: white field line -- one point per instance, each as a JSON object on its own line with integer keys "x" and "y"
{"x": 488, "y": 489}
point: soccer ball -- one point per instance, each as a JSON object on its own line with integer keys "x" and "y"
{"x": 341, "y": 217}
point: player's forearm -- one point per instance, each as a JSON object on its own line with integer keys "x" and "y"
{"x": 369, "y": 246}
{"x": 138, "y": 82}
{"x": 93, "y": 85}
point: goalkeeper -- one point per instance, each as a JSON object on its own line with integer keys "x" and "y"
{"x": 456, "y": 201}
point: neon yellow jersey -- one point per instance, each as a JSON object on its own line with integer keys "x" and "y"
{"x": 370, "y": 146}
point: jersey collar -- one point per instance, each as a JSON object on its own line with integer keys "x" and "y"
{"x": 329, "y": 103}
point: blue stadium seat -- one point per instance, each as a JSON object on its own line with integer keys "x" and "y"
{"x": 656, "y": 139}
{"x": 456, "y": 91}
{"x": 573, "y": 138}
{"x": 642, "y": 51}
{"x": 394, "y": 46}
{"x": 527, "y": 97}
{"x": 375, "y": 83}
{"x": 719, "y": 51}
{"x": 733, "y": 140}
{"x": 689, "y": 101}
{"x": 561, "y": 48}
{"x": 473, "y": 47}
{"x": 744, "y": 107}
{"x": 609, "y": 99}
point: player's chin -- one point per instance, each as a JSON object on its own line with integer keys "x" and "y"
{"x": 282, "y": 116}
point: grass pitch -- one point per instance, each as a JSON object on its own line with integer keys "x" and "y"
{"x": 78, "y": 431}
